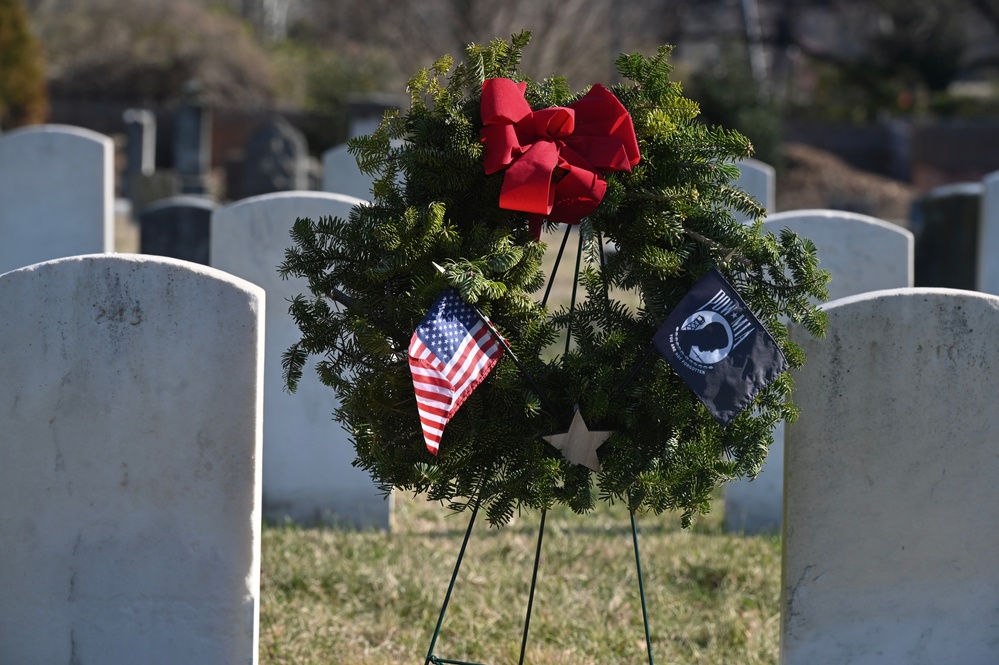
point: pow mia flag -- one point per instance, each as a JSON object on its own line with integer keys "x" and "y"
{"x": 719, "y": 347}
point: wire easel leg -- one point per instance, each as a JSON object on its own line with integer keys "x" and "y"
{"x": 558, "y": 260}
{"x": 450, "y": 588}
{"x": 572, "y": 301}
{"x": 641, "y": 588}
{"x": 435, "y": 660}
{"x": 534, "y": 582}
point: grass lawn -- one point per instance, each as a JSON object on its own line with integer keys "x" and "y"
{"x": 330, "y": 595}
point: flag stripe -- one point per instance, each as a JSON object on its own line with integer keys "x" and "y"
{"x": 450, "y": 354}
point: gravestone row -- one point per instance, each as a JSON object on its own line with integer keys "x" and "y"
{"x": 132, "y": 471}
{"x": 956, "y": 229}
{"x": 957, "y": 236}
{"x": 56, "y": 201}
{"x": 276, "y": 158}
{"x": 180, "y": 227}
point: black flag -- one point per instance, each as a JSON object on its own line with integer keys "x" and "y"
{"x": 719, "y": 347}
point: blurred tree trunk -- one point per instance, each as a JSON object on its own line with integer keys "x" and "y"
{"x": 23, "y": 94}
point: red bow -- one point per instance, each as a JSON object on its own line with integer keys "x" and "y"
{"x": 590, "y": 136}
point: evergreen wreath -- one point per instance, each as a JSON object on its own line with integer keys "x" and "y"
{"x": 372, "y": 278}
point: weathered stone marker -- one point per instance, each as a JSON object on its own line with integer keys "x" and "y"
{"x": 862, "y": 254}
{"x": 56, "y": 194}
{"x": 988, "y": 245}
{"x": 758, "y": 179}
{"x": 140, "y": 147}
{"x": 130, "y": 390}
{"x": 192, "y": 141}
{"x": 342, "y": 176}
{"x": 947, "y": 236}
{"x": 277, "y": 160}
{"x": 308, "y": 475}
{"x": 891, "y": 508}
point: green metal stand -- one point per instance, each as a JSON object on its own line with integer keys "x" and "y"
{"x": 641, "y": 588}
{"x": 431, "y": 658}
{"x": 437, "y": 660}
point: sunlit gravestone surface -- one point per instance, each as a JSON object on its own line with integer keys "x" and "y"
{"x": 891, "y": 500}
{"x": 308, "y": 477}
{"x": 56, "y": 194}
{"x": 861, "y": 254}
{"x": 130, "y": 394}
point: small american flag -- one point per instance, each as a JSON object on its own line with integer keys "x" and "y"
{"x": 451, "y": 353}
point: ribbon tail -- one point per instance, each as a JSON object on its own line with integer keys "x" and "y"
{"x": 527, "y": 184}
{"x": 534, "y": 226}
{"x": 579, "y": 191}
{"x": 577, "y": 195}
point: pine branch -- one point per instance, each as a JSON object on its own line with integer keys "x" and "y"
{"x": 730, "y": 254}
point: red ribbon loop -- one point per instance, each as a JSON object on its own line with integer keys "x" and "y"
{"x": 591, "y": 136}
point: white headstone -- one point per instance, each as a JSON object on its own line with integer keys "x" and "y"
{"x": 140, "y": 148}
{"x": 56, "y": 194}
{"x": 758, "y": 179}
{"x": 892, "y": 505}
{"x": 861, "y": 254}
{"x": 140, "y": 136}
{"x": 988, "y": 236}
{"x": 129, "y": 462}
{"x": 308, "y": 475}
{"x": 341, "y": 174}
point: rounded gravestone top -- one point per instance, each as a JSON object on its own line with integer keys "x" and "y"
{"x": 827, "y": 214}
{"x": 122, "y": 260}
{"x": 955, "y": 189}
{"x": 55, "y": 130}
{"x": 184, "y": 200}
{"x": 295, "y": 194}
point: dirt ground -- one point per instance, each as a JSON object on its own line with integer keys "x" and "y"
{"x": 812, "y": 178}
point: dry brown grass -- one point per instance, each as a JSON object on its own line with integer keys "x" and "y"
{"x": 330, "y": 595}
